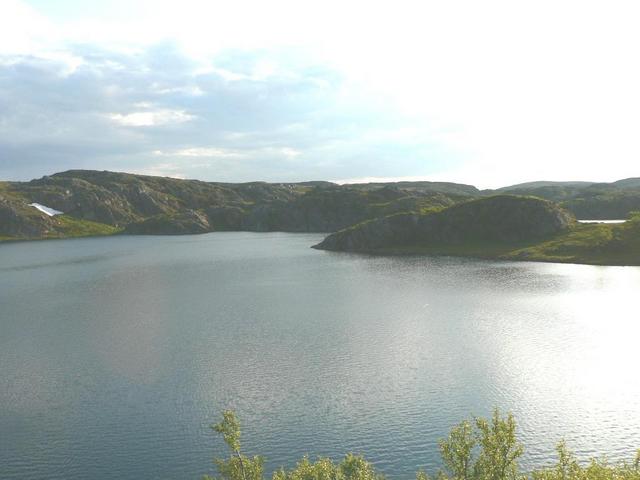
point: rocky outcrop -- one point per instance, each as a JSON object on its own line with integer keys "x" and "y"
{"x": 586, "y": 200}
{"x": 19, "y": 220}
{"x": 157, "y": 205}
{"x": 610, "y": 205}
{"x": 500, "y": 219}
{"x": 187, "y": 222}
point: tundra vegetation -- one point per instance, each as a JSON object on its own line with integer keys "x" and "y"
{"x": 533, "y": 221}
{"x": 478, "y": 449}
{"x": 502, "y": 227}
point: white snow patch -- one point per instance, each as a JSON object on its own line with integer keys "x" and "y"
{"x": 602, "y": 221}
{"x": 46, "y": 210}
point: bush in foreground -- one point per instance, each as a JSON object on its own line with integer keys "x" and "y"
{"x": 482, "y": 449}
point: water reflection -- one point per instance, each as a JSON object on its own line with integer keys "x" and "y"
{"x": 113, "y": 367}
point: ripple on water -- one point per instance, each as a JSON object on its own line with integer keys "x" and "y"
{"x": 118, "y": 353}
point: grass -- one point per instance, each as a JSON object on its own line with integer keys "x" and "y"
{"x": 74, "y": 227}
{"x": 70, "y": 227}
{"x": 467, "y": 249}
{"x": 597, "y": 244}
{"x": 7, "y": 191}
{"x": 594, "y": 244}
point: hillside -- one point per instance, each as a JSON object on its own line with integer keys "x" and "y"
{"x": 18, "y": 220}
{"x": 586, "y": 200}
{"x": 598, "y": 244}
{"x": 137, "y": 204}
{"x": 502, "y": 227}
{"x": 447, "y": 188}
{"x": 425, "y": 217}
{"x": 500, "y": 219}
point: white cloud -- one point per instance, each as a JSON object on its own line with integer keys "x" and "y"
{"x": 191, "y": 90}
{"x": 22, "y": 29}
{"x": 208, "y": 152}
{"x": 507, "y": 91}
{"x": 162, "y": 170}
{"x": 215, "y": 152}
{"x": 150, "y": 119}
{"x": 287, "y": 153}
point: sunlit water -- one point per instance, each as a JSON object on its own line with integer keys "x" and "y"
{"x": 117, "y": 353}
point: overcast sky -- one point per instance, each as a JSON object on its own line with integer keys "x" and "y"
{"x": 488, "y": 93}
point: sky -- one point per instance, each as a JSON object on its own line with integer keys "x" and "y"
{"x": 489, "y": 93}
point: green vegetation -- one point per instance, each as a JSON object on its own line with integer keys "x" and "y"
{"x": 586, "y": 200}
{"x": 140, "y": 204}
{"x": 477, "y": 226}
{"x": 598, "y": 244}
{"x": 238, "y": 466}
{"x": 591, "y": 244}
{"x": 499, "y": 227}
{"x": 434, "y": 218}
{"x": 68, "y": 226}
{"x": 480, "y": 449}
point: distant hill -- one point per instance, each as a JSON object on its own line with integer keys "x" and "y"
{"x": 104, "y": 202}
{"x": 158, "y": 205}
{"x": 422, "y": 186}
{"x": 540, "y": 184}
{"x": 587, "y": 200}
{"x": 628, "y": 183}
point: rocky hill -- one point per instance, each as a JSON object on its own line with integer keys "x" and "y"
{"x": 496, "y": 220}
{"x": 101, "y": 203}
{"x": 139, "y": 204}
{"x": 587, "y": 200}
{"x": 20, "y": 220}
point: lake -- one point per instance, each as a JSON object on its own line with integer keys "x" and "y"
{"x": 117, "y": 353}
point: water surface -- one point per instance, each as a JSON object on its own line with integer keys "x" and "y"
{"x": 117, "y": 353}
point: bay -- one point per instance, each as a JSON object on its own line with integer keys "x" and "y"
{"x": 116, "y": 354}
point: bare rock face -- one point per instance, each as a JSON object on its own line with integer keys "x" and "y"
{"x": 140, "y": 203}
{"x": 19, "y": 220}
{"x": 187, "y": 222}
{"x": 500, "y": 219}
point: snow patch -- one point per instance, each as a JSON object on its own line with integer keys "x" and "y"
{"x": 46, "y": 210}
{"x": 602, "y": 221}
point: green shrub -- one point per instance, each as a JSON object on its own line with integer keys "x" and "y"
{"x": 482, "y": 449}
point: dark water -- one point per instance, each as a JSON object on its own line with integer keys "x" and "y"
{"x": 117, "y": 353}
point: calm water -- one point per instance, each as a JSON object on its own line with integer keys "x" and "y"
{"x": 117, "y": 353}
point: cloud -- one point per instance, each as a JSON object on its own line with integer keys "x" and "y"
{"x": 278, "y": 119}
{"x": 151, "y": 118}
{"x": 485, "y": 93}
{"x": 207, "y": 152}
{"x": 161, "y": 170}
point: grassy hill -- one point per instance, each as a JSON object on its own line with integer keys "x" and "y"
{"x": 157, "y": 205}
{"x": 586, "y": 200}
{"x": 497, "y": 220}
{"x": 501, "y": 227}
{"x": 403, "y": 217}
{"x": 599, "y": 244}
